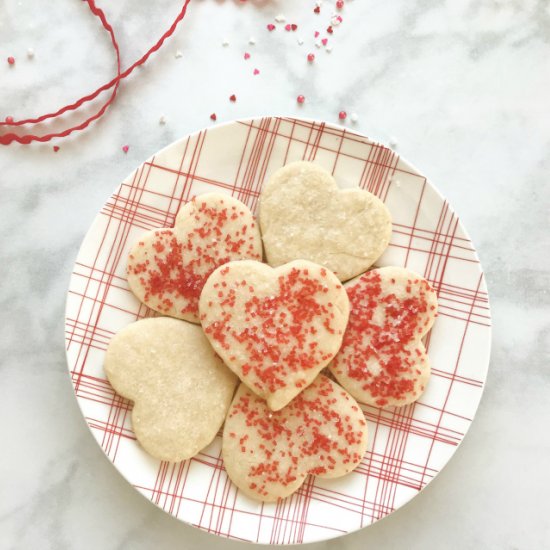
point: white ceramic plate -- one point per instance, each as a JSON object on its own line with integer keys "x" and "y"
{"x": 408, "y": 447}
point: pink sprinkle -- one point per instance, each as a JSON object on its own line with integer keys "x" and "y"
{"x": 300, "y": 99}
{"x": 11, "y": 60}
{"x": 288, "y": 27}
{"x": 213, "y": 116}
{"x": 340, "y": 4}
{"x": 270, "y": 27}
{"x": 342, "y": 115}
{"x": 311, "y": 57}
{"x": 324, "y": 41}
{"x": 247, "y": 55}
{"x": 339, "y": 19}
{"x": 256, "y": 71}
{"x": 125, "y": 148}
{"x": 316, "y": 34}
{"x": 9, "y": 120}
{"x": 55, "y": 148}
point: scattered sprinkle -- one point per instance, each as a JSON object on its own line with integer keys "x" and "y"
{"x": 324, "y": 41}
{"x": 294, "y": 27}
{"x": 178, "y": 54}
{"x": 336, "y": 20}
{"x": 280, "y": 18}
{"x": 9, "y": 120}
{"x": 11, "y": 60}
{"x": 318, "y": 44}
{"x": 256, "y": 71}
{"x": 55, "y": 148}
{"x": 354, "y": 118}
{"x": 300, "y": 99}
{"x": 392, "y": 142}
{"x": 342, "y": 115}
{"x": 247, "y": 55}
{"x": 339, "y": 4}
{"x": 125, "y": 148}
{"x": 288, "y": 27}
{"x": 330, "y": 30}
{"x": 316, "y": 34}
{"x": 233, "y": 98}
{"x": 162, "y": 120}
{"x": 328, "y": 49}
{"x": 252, "y": 41}
{"x": 270, "y": 27}
{"x": 300, "y": 40}
{"x": 311, "y": 57}
{"x": 213, "y": 116}
{"x": 317, "y": 9}
{"x": 30, "y": 53}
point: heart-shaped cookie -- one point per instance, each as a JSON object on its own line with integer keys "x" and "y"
{"x": 268, "y": 455}
{"x": 382, "y": 361}
{"x": 304, "y": 215}
{"x": 180, "y": 387}
{"x": 275, "y": 328}
{"x": 167, "y": 268}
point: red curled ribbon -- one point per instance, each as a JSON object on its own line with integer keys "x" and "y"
{"x": 6, "y": 139}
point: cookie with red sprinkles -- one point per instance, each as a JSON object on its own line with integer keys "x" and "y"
{"x": 167, "y": 268}
{"x": 275, "y": 328}
{"x": 180, "y": 387}
{"x": 305, "y": 215}
{"x": 382, "y": 361}
{"x": 268, "y": 455}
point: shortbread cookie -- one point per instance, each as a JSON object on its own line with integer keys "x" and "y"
{"x": 304, "y": 215}
{"x": 268, "y": 455}
{"x": 275, "y": 328}
{"x": 382, "y": 361}
{"x": 180, "y": 387}
{"x": 167, "y": 268}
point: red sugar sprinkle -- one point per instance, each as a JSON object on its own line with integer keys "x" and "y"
{"x": 311, "y": 57}
{"x": 213, "y": 116}
{"x": 387, "y": 342}
{"x": 256, "y": 71}
{"x": 300, "y": 99}
{"x": 316, "y": 34}
{"x": 247, "y": 55}
{"x": 317, "y": 9}
{"x": 9, "y": 120}
{"x": 330, "y": 30}
{"x": 270, "y": 27}
{"x": 233, "y": 98}
{"x": 125, "y": 148}
{"x": 324, "y": 41}
{"x": 339, "y": 4}
{"x": 342, "y": 115}
{"x": 288, "y": 27}
{"x": 294, "y": 26}
{"x": 11, "y": 60}
{"x": 55, "y": 148}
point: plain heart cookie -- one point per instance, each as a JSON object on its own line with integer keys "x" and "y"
{"x": 382, "y": 361}
{"x": 167, "y": 268}
{"x": 304, "y": 215}
{"x": 268, "y": 455}
{"x": 275, "y": 328}
{"x": 180, "y": 388}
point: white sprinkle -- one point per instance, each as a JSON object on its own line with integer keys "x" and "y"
{"x": 162, "y": 120}
{"x": 392, "y": 142}
{"x": 225, "y": 42}
{"x": 328, "y": 48}
{"x": 178, "y": 54}
{"x": 252, "y": 40}
{"x": 397, "y": 183}
{"x": 335, "y": 21}
{"x": 319, "y": 3}
{"x": 30, "y": 53}
{"x": 318, "y": 44}
{"x": 354, "y": 118}
{"x": 300, "y": 40}
{"x": 280, "y": 18}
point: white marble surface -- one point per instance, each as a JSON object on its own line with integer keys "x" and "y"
{"x": 462, "y": 85}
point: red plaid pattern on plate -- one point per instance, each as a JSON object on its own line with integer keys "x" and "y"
{"x": 407, "y": 447}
